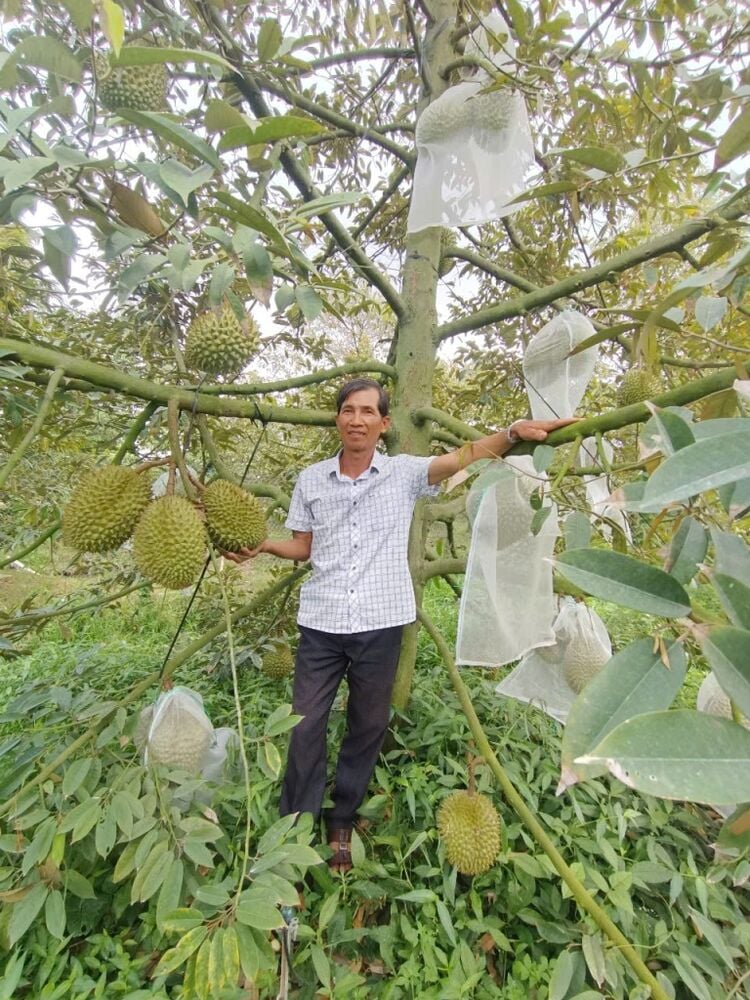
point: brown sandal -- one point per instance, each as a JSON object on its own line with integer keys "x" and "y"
{"x": 340, "y": 842}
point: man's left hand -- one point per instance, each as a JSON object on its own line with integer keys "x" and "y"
{"x": 537, "y": 430}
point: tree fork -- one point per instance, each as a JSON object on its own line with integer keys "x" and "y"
{"x": 581, "y": 895}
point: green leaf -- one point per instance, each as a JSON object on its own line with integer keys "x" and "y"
{"x": 60, "y": 245}
{"x": 253, "y": 218}
{"x": 689, "y": 976}
{"x": 75, "y": 775}
{"x": 177, "y": 956}
{"x": 222, "y": 278}
{"x": 81, "y": 819}
{"x": 545, "y": 190}
{"x": 181, "y": 920}
{"x": 170, "y": 891}
{"x": 270, "y": 38}
{"x": 276, "y": 834}
{"x": 200, "y": 828}
{"x": 623, "y": 580}
{"x": 54, "y": 914}
{"x": 609, "y": 161}
{"x": 40, "y": 846}
{"x": 231, "y": 949}
{"x": 593, "y": 952}
{"x": 687, "y": 551}
{"x": 710, "y": 310}
{"x": 249, "y": 953}
{"x": 113, "y": 24}
{"x": 261, "y": 131}
{"x": 260, "y": 914}
{"x": 279, "y": 714}
{"x": 735, "y": 832}
{"x": 182, "y": 179}
{"x": 105, "y": 835}
{"x": 221, "y": 116}
{"x": 713, "y": 934}
{"x": 135, "y": 273}
{"x": 679, "y": 755}
{"x": 328, "y": 202}
{"x": 328, "y": 910}
{"x": 198, "y": 853}
{"x": 17, "y": 173}
{"x": 728, "y": 652}
{"x": 166, "y": 128}
{"x": 632, "y": 682}
{"x": 542, "y": 457}
{"x": 259, "y": 271}
{"x": 577, "y": 530}
{"x": 77, "y": 884}
{"x": 147, "y": 55}
{"x": 321, "y": 965}
{"x": 735, "y": 599}
{"x": 49, "y": 54}
{"x": 25, "y": 912}
{"x": 151, "y": 874}
{"x": 562, "y": 975}
{"x": 309, "y": 301}
{"x": 736, "y": 139}
{"x": 671, "y": 432}
{"x": 705, "y": 465}
{"x": 81, "y": 12}
{"x": 418, "y": 896}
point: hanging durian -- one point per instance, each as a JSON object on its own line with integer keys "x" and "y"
{"x": 582, "y": 661}
{"x": 104, "y": 508}
{"x": 636, "y": 386}
{"x": 469, "y": 826}
{"x": 448, "y": 240}
{"x": 137, "y": 88}
{"x": 278, "y": 662}
{"x": 169, "y": 543}
{"x": 235, "y": 518}
{"x": 218, "y": 343}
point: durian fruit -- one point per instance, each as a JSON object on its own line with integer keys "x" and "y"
{"x": 469, "y": 826}
{"x": 138, "y": 88}
{"x": 451, "y": 112}
{"x": 179, "y": 739}
{"x": 218, "y": 343}
{"x": 104, "y": 508}
{"x": 636, "y": 386}
{"x": 235, "y": 518}
{"x": 278, "y": 662}
{"x": 582, "y": 661}
{"x": 169, "y": 543}
{"x": 142, "y": 726}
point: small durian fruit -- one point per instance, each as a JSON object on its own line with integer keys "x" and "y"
{"x": 278, "y": 662}
{"x": 448, "y": 240}
{"x": 137, "y": 88}
{"x": 179, "y": 739}
{"x": 142, "y": 726}
{"x": 469, "y": 826}
{"x": 636, "y": 386}
{"x": 582, "y": 662}
{"x": 235, "y": 518}
{"x": 169, "y": 543}
{"x": 218, "y": 343}
{"x": 104, "y": 508}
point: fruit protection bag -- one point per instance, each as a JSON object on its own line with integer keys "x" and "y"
{"x": 599, "y": 489}
{"x": 180, "y": 732}
{"x": 555, "y": 381}
{"x": 539, "y": 679}
{"x": 473, "y": 148}
{"x": 507, "y": 604}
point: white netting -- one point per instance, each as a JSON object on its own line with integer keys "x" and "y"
{"x": 742, "y": 388}
{"x": 507, "y": 603}
{"x": 599, "y": 490}
{"x": 713, "y": 700}
{"x": 473, "y": 148}
{"x": 580, "y": 641}
{"x": 555, "y": 383}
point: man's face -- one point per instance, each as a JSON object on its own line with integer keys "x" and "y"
{"x": 359, "y": 422}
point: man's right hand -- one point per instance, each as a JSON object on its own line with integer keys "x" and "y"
{"x": 242, "y": 555}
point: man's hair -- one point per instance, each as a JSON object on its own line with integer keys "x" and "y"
{"x": 356, "y": 385}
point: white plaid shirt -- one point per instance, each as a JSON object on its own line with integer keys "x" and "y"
{"x": 360, "y": 534}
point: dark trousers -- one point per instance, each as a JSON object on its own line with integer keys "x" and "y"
{"x": 368, "y": 660}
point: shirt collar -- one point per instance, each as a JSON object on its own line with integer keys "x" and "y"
{"x": 331, "y": 465}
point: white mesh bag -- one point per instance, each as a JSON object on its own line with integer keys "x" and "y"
{"x": 555, "y": 383}
{"x": 473, "y": 149}
{"x": 507, "y": 605}
{"x": 599, "y": 490}
{"x": 713, "y": 700}
{"x": 541, "y": 677}
{"x": 180, "y": 732}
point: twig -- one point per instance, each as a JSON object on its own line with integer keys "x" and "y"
{"x": 32, "y": 432}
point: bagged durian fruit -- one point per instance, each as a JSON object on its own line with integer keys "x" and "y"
{"x": 474, "y": 145}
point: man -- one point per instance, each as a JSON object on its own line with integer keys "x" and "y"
{"x": 350, "y": 515}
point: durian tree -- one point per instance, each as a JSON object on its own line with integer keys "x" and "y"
{"x": 214, "y": 183}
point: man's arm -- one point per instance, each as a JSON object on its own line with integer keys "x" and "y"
{"x": 491, "y": 446}
{"x": 297, "y": 548}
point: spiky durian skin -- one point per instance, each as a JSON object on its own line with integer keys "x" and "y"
{"x": 104, "y": 508}
{"x": 469, "y": 827}
{"x": 218, "y": 343}
{"x": 637, "y": 385}
{"x": 169, "y": 543}
{"x": 278, "y": 662}
{"x": 581, "y": 663}
{"x": 235, "y": 518}
{"x": 139, "y": 88}
{"x": 179, "y": 740}
{"x": 448, "y": 240}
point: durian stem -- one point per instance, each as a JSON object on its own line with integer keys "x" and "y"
{"x": 153, "y": 463}
{"x": 201, "y": 422}
{"x": 32, "y": 432}
{"x": 30, "y": 546}
{"x": 240, "y": 727}
{"x": 173, "y": 423}
{"x": 582, "y": 896}
{"x": 134, "y": 433}
{"x": 155, "y": 677}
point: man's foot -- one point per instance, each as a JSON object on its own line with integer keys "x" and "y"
{"x": 340, "y": 842}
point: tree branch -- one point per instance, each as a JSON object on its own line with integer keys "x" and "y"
{"x": 32, "y": 545}
{"x": 259, "y": 388}
{"x": 382, "y": 52}
{"x": 440, "y": 567}
{"x": 657, "y": 247}
{"x": 29, "y": 436}
{"x": 107, "y": 378}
